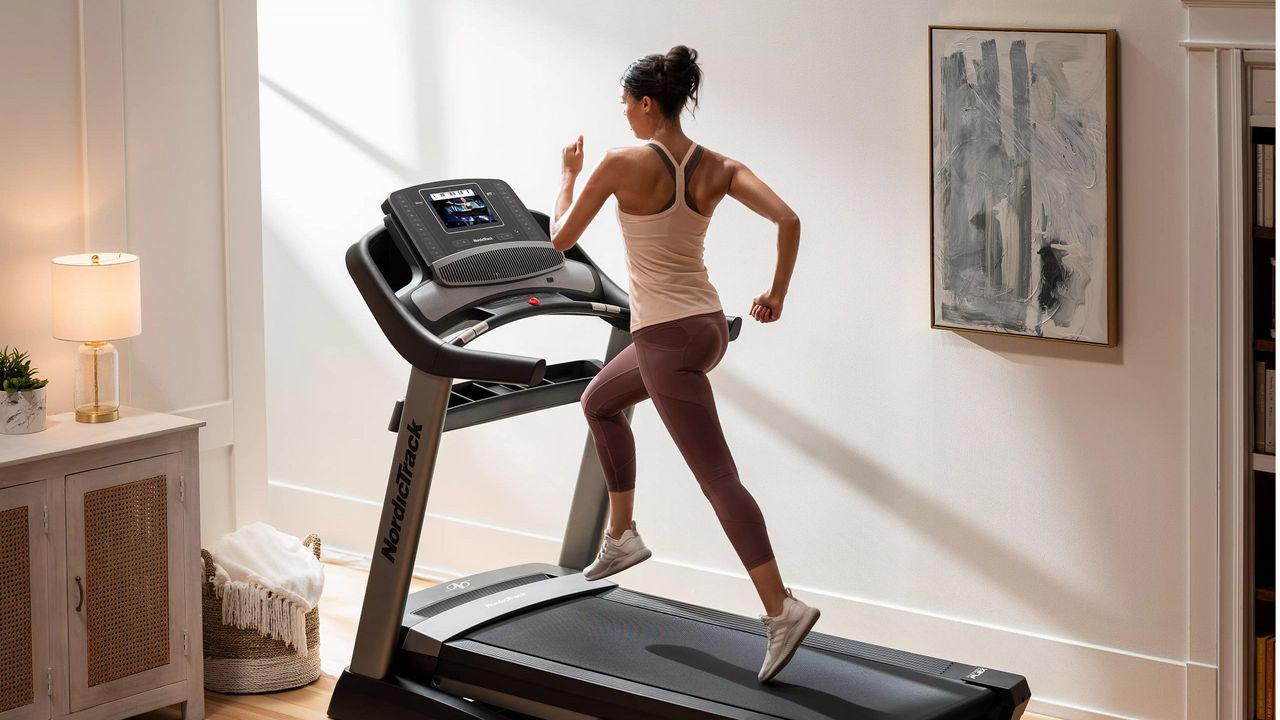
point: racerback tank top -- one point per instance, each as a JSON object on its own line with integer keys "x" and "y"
{"x": 664, "y": 252}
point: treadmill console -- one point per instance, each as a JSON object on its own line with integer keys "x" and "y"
{"x": 471, "y": 231}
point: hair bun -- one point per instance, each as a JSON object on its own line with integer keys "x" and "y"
{"x": 679, "y": 60}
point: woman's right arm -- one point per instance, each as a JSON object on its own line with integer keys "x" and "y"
{"x": 572, "y": 216}
{"x": 751, "y": 191}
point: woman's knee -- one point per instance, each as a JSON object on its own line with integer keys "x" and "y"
{"x": 594, "y": 407}
{"x": 720, "y": 487}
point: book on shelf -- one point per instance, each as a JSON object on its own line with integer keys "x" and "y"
{"x": 1260, "y": 406}
{"x": 1266, "y": 180}
{"x": 1269, "y": 687}
{"x": 1258, "y": 192}
{"x": 1264, "y": 695}
{"x": 1270, "y": 444}
{"x": 1260, "y": 677}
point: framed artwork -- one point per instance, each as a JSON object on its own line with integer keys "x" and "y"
{"x": 1024, "y": 216}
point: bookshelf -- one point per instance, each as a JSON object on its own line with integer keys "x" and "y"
{"x": 1259, "y": 288}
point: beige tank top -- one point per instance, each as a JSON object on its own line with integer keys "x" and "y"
{"x": 664, "y": 252}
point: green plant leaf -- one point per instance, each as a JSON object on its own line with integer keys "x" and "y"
{"x": 16, "y": 373}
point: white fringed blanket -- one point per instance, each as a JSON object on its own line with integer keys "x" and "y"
{"x": 267, "y": 581}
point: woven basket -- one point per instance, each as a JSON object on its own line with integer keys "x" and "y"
{"x": 242, "y": 661}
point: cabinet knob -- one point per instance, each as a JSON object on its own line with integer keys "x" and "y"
{"x": 80, "y": 587}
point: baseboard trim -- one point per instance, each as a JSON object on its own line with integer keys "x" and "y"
{"x": 1068, "y": 678}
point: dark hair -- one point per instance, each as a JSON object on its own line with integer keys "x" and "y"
{"x": 672, "y": 79}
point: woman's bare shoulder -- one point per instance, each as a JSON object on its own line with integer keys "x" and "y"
{"x": 628, "y": 153}
{"x": 722, "y": 166}
{"x": 624, "y": 159}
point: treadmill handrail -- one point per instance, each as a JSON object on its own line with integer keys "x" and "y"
{"x": 429, "y": 353}
{"x": 423, "y": 349}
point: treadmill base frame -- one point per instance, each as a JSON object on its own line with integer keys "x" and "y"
{"x": 356, "y": 697}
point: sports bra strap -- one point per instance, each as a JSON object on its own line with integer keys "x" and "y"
{"x": 681, "y": 179}
{"x": 688, "y": 173}
{"x": 671, "y": 169}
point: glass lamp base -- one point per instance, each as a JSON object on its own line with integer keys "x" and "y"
{"x": 97, "y": 415}
{"x": 97, "y": 398}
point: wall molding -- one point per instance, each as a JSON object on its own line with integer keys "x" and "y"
{"x": 1068, "y": 677}
{"x": 1204, "y": 45}
{"x": 1230, "y": 344}
{"x": 1230, "y": 3}
{"x": 1218, "y": 675}
{"x": 242, "y": 223}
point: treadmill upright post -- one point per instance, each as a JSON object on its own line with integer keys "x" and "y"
{"x": 590, "y": 506}
{"x": 399, "y": 530}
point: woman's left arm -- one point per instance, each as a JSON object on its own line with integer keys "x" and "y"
{"x": 572, "y": 217}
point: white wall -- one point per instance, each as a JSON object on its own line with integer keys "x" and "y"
{"x": 111, "y": 131}
{"x": 993, "y": 500}
{"x": 41, "y": 210}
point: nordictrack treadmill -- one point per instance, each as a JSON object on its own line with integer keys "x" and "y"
{"x": 456, "y": 259}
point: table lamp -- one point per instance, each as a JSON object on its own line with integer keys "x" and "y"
{"x": 97, "y": 298}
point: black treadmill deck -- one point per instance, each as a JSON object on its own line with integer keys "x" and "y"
{"x": 628, "y": 661}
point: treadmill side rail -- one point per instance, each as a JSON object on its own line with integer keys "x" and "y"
{"x": 427, "y": 637}
{"x": 446, "y": 592}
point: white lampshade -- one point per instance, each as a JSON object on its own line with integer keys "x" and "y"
{"x": 95, "y": 301}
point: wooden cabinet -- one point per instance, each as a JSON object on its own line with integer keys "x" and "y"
{"x": 24, "y": 604}
{"x": 100, "y": 569}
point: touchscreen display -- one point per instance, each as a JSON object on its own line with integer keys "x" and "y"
{"x": 461, "y": 208}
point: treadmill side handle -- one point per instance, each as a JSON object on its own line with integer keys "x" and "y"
{"x": 420, "y": 347}
{"x": 396, "y": 413}
{"x": 735, "y": 326}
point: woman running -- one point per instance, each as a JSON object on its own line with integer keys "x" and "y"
{"x": 666, "y": 193}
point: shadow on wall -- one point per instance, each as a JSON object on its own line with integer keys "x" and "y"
{"x": 341, "y": 131}
{"x": 1019, "y": 349}
{"x": 337, "y": 345}
{"x": 324, "y": 337}
{"x": 994, "y": 558}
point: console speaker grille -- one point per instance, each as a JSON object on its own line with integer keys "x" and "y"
{"x": 500, "y": 265}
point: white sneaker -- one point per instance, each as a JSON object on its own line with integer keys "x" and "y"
{"x": 785, "y": 632}
{"x": 618, "y": 555}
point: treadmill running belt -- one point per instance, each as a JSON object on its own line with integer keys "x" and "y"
{"x": 719, "y": 664}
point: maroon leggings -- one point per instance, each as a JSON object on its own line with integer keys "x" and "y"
{"x": 668, "y": 362}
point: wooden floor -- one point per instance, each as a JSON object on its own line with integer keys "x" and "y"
{"x": 339, "y": 613}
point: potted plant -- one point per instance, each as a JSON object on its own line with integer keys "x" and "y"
{"x": 21, "y": 394}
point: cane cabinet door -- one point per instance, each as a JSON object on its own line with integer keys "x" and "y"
{"x": 125, "y": 579}
{"x": 24, "y": 604}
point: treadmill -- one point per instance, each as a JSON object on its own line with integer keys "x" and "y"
{"x": 451, "y": 261}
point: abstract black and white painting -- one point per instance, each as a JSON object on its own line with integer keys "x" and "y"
{"x": 1023, "y": 183}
